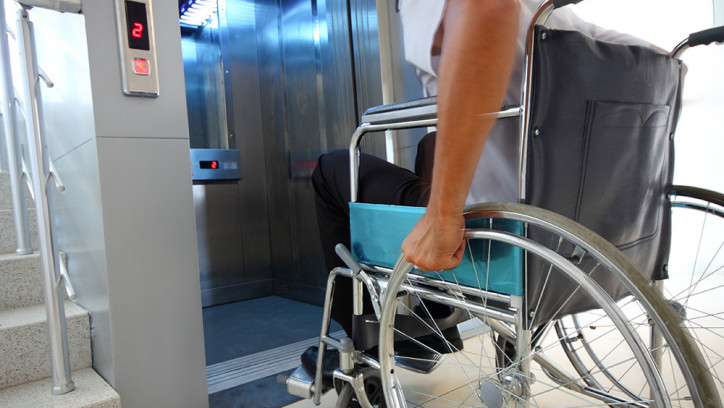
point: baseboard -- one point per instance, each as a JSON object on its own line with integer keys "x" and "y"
{"x": 237, "y": 292}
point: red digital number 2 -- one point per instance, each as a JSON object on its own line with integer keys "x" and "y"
{"x": 137, "y": 31}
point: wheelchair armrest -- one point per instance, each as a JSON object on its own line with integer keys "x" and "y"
{"x": 415, "y": 109}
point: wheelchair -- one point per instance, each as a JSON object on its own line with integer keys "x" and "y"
{"x": 587, "y": 293}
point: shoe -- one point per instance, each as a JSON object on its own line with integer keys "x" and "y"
{"x": 331, "y": 363}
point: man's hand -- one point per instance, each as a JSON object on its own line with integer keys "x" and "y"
{"x": 436, "y": 243}
{"x": 478, "y": 47}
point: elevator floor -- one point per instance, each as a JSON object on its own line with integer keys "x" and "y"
{"x": 249, "y": 343}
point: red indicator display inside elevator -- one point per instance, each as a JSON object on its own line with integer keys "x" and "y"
{"x": 209, "y": 164}
{"x": 137, "y": 25}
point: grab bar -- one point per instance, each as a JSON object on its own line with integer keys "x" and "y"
{"x": 41, "y": 171}
{"x": 14, "y": 158}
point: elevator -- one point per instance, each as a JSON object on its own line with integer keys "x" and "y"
{"x": 278, "y": 83}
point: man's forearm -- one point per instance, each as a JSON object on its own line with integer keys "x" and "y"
{"x": 477, "y": 56}
{"x": 477, "y": 52}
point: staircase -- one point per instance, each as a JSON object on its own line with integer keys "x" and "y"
{"x": 24, "y": 351}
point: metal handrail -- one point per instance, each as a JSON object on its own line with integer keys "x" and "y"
{"x": 41, "y": 171}
{"x": 12, "y": 146}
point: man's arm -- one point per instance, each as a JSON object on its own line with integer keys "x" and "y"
{"x": 478, "y": 48}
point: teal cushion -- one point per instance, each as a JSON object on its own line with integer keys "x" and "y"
{"x": 377, "y": 232}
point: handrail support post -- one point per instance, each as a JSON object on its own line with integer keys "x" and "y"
{"x": 14, "y": 158}
{"x": 38, "y": 157}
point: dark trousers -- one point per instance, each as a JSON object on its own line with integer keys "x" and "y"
{"x": 379, "y": 183}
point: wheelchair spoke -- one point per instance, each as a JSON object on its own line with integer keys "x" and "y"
{"x": 677, "y": 388}
{"x": 568, "y": 299}
{"x": 436, "y": 329}
{"x": 710, "y": 354}
{"x": 701, "y": 314}
{"x": 563, "y": 387}
{"x": 696, "y": 258}
{"x": 627, "y": 364}
{"x": 485, "y": 300}
{"x": 588, "y": 346}
{"x": 545, "y": 282}
{"x": 694, "y": 294}
{"x": 697, "y": 280}
{"x": 465, "y": 368}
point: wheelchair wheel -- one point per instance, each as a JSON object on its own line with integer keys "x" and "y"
{"x": 347, "y": 397}
{"x": 511, "y": 354}
{"x": 696, "y": 271}
{"x": 696, "y": 279}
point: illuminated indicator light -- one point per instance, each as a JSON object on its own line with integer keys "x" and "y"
{"x": 137, "y": 26}
{"x": 141, "y": 66}
{"x": 137, "y": 30}
{"x": 210, "y": 164}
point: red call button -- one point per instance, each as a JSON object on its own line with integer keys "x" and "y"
{"x": 141, "y": 66}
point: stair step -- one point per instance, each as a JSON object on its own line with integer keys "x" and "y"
{"x": 91, "y": 391}
{"x": 24, "y": 343}
{"x": 8, "y": 243}
{"x": 21, "y": 281}
{"x": 6, "y": 198}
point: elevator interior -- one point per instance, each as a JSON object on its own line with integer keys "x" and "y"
{"x": 279, "y": 82}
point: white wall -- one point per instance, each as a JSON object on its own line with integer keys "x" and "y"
{"x": 67, "y": 113}
{"x": 700, "y": 135}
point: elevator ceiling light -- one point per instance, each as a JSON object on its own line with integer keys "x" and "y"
{"x": 196, "y": 13}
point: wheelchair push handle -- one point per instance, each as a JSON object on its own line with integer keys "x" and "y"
{"x": 706, "y": 37}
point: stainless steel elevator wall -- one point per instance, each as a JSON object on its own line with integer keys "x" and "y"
{"x": 205, "y": 89}
{"x": 298, "y": 74}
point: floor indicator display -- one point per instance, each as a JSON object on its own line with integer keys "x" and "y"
{"x": 138, "y": 47}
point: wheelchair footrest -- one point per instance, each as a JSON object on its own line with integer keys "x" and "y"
{"x": 423, "y": 362}
{"x": 299, "y": 383}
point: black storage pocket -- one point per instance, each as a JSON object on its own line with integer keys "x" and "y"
{"x": 622, "y": 164}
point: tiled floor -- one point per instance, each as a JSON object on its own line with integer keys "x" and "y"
{"x": 448, "y": 389}
{"x": 265, "y": 393}
{"x": 328, "y": 401}
{"x": 238, "y": 329}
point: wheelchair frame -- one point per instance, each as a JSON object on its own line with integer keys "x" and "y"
{"x": 382, "y": 283}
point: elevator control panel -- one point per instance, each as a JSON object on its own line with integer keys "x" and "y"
{"x": 215, "y": 165}
{"x": 138, "y": 47}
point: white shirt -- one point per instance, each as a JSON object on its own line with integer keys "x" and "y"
{"x": 496, "y": 176}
